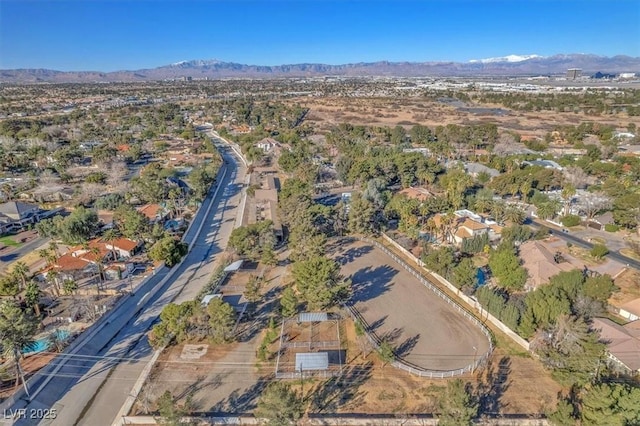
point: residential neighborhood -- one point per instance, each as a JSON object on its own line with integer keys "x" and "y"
{"x": 316, "y": 244}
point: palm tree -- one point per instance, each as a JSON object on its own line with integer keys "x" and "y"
{"x": 100, "y": 262}
{"x": 52, "y": 276}
{"x": 21, "y": 271}
{"x": 17, "y": 329}
{"x": 484, "y": 200}
{"x": 548, "y": 209}
{"x": 515, "y": 215}
{"x": 498, "y": 211}
{"x": 110, "y": 236}
{"x": 567, "y": 195}
{"x": 53, "y": 246}
{"x": 32, "y": 297}
{"x": 69, "y": 286}
{"x": 48, "y": 255}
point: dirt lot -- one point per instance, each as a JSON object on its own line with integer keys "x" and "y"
{"x": 30, "y": 365}
{"x": 423, "y": 328}
{"x": 310, "y": 337}
{"x": 629, "y": 287}
{"x": 510, "y": 384}
{"x": 327, "y": 112}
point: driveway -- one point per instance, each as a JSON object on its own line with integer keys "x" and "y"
{"x": 423, "y": 328}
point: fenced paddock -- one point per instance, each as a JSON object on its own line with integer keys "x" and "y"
{"x": 432, "y": 336}
{"x": 306, "y": 334}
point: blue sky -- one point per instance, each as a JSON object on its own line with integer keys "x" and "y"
{"x": 119, "y": 34}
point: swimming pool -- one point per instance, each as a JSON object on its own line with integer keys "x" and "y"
{"x": 44, "y": 343}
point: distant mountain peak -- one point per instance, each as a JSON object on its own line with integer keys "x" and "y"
{"x": 195, "y": 63}
{"x": 508, "y": 58}
{"x": 511, "y": 65}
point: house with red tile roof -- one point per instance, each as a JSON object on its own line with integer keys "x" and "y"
{"x": 154, "y": 212}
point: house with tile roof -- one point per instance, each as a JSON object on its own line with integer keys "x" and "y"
{"x": 623, "y": 342}
{"x": 631, "y": 310}
{"x": 541, "y": 263}
{"x": 416, "y": 193}
{"x": 461, "y": 228}
{"x": 154, "y": 212}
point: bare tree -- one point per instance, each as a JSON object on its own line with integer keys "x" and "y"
{"x": 577, "y": 177}
{"x": 47, "y": 178}
{"x": 116, "y": 173}
{"x": 592, "y": 203}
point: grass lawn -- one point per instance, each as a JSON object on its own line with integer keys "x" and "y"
{"x": 8, "y": 241}
{"x": 629, "y": 253}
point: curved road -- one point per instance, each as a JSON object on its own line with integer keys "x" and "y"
{"x": 582, "y": 243}
{"x": 88, "y": 384}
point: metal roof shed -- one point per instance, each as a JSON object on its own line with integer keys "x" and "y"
{"x": 234, "y": 266}
{"x": 309, "y": 361}
{"x": 312, "y": 317}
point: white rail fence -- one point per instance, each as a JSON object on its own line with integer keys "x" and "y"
{"x": 399, "y": 362}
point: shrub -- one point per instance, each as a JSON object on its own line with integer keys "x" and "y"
{"x": 611, "y": 227}
{"x": 570, "y": 220}
{"x": 599, "y": 251}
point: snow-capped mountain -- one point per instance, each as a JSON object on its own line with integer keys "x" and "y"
{"x": 508, "y": 58}
{"x": 512, "y": 65}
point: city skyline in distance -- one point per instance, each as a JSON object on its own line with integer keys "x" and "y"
{"x": 124, "y": 35}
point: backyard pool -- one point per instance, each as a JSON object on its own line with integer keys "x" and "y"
{"x": 43, "y": 343}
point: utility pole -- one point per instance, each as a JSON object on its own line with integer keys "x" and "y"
{"x": 21, "y": 372}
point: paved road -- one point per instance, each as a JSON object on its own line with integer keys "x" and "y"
{"x": 582, "y": 243}
{"x": 11, "y": 254}
{"x": 92, "y": 384}
{"x": 425, "y": 330}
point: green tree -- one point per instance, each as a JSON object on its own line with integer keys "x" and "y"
{"x": 130, "y": 222}
{"x": 599, "y": 288}
{"x": 465, "y": 275}
{"x": 515, "y": 215}
{"x": 599, "y": 251}
{"x": 288, "y": 303}
{"x": 457, "y": 404}
{"x": 222, "y": 319}
{"x": 17, "y": 330}
{"x": 571, "y": 350}
{"x": 319, "y": 282}
{"x": 32, "y": 296}
{"x": 610, "y": 404}
{"x": 505, "y": 266}
{"x": 564, "y": 414}
{"x": 385, "y": 352}
{"x": 171, "y": 412}
{"x": 361, "y": 216}
{"x": 21, "y": 272}
{"x": 168, "y": 250}
{"x": 440, "y": 260}
{"x": 252, "y": 240}
{"x": 69, "y": 286}
{"x": 79, "y": 226}
{"x": 174, "y": 324}
{"x": 279, "y": 405}
{"x": 9, "y": 286}
{"x": 252, "y": 289}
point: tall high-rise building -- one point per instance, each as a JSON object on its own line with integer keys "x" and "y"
{"x": 574, "y": 73}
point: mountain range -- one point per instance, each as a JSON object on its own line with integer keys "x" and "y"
{"x": 511, "y": 65}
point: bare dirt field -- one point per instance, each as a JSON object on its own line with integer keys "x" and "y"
{"x": 423, "y": 328}
{"x": 377, "y": 111}
{"x": 511, "y": 384}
